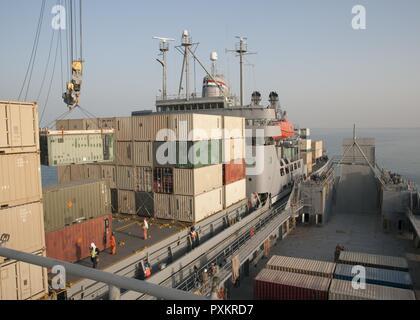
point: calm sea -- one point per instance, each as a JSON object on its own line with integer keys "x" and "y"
{"x": 397, "y": 150}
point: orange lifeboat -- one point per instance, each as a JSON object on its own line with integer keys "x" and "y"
{"x": 287, "y": 130}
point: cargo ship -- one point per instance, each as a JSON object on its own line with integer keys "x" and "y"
{"x": 223, "y": 185}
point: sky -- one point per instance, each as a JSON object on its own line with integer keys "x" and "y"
{"x": 327, "y": 74}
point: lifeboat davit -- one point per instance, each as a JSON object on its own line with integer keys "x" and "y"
{"x": 287, "y": 130}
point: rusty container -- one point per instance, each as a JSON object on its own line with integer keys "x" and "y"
{"x": 234, "y": 171}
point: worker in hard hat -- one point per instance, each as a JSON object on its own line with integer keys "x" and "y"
{"x": 145, "y": 229}
{"x": 94, "y": 252}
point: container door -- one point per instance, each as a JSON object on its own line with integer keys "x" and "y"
{"x": 36, "y": 275}
{"x": 4, "y": 122}
{"x": 27, "y": 116}
{"x": 8, "y": 282}
{"x": 24, "y": 281}
{"x": 15, "y": 131}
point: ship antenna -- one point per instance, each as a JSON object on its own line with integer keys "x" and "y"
{"x": 163, "y": 48}
{"x": 241, "y": 50}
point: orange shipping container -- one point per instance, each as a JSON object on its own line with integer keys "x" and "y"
{"x": 234, "y": 171}
{"x": 72, "y": 243}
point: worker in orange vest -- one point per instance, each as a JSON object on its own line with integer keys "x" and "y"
{"x": 145, "y": 229}
{"x": 113, "y": 244}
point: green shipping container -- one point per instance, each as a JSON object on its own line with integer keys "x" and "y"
{"x": 72, "y": 203}
{"x": 64, "y": 148}
{"x": 187, "y": 154}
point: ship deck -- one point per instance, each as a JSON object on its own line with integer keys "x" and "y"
{"x": 356, "y": 232}
{"x": 129, "y": 235}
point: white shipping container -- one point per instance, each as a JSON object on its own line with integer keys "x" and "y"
{"x": 194, "y": 209}
{"x": 25, "y": 224}
{"x": 233, "y": 149}
{"x": 147, "y": 127}
{"x": 20, "y": 179}
{"x": 305, "y": 145}
{"x": 162, "y": 206}
{"x": 126, "y": 202}
{"x": 23, "y": 281}
{"x": 125, "y": 178}
{"x": 124, "y": 154}
{"x": 144, "y": 179}
{"x": 19, "y": 130}
{"x": 191, "y": 182}
{"x": 123, "y": 129}
{"x": 195, "y": 127}
{"x": 343, "y": 290}
{"x": 234, "y": 127}
{"x": 234, "y": 192}
{"x": 143, "y": 154}
{"x": 93, "y": 172}
{"x": 109, "y": 173}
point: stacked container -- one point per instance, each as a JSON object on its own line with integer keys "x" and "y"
{"x": 182, "y": 167}
{"x": 21, "y": 210}
{"x": 317, "y": 150}
{"x": 234, "y": 170}
{"x": 77, "y": 214}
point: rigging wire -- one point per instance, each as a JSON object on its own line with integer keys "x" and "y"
{"x": 46, "y": 65}
{"x": 51, "y": 81}
{"x": 34, "y": 49}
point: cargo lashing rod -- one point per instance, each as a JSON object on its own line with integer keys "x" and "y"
{"x": 115, "y": 281}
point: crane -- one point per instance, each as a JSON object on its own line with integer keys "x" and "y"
{"x": 75, "y": 34}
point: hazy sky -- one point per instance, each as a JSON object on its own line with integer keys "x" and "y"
{"x": 326, "y": 73}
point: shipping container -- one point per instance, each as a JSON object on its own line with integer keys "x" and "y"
{"x": 234, "y": 192}
{"x": 71, "y": 203}
{"x": 187, "y": 154}
{"x": 143, "y": 154}
{"x": 107, "y": 123}
{"x": 76, "y": 147}
{"x": 77, "y": 124}
{"x": 93, "y": 172}
{"x": 163, "y": 180}
{"x": 195, "y": 127}
{"x": 373, "y": 260}
{"x": 126, "y": 178}
{"x": 63, "y": 174}
{"x": 305, "y": 133}
{"x": 20, "y": 179}
{"x": 72, "y": 243}
{"x": 281, "y": 285}
{"x": 191, "y": 182}
{"x": 162, "y": 206}
{"x": 234, "y": 127}
{"x": 233, "y": 149}
{"x": 151, "y": 127}
{"x": 144, "y": 179}
{"x": 343, "y": 290}
{"x": 124, "y": 154}
{"x": 78, "y": 172}
{"x": 145, "y": 204}
{"x": 123, "y": 129}
{"x": 25, "y": 225}
{"x": 234, "y": 171}
{"x": 305, "y": 145}
{"x": 194, "y": 209}
{"x": 126, "y": 202}
{"x": 18, "y": 127}
{"x": 382, "y": 277}
{"x": 304, "y": 266}
{"x": 23, "y": 281}
{"x": 109, "y": 174}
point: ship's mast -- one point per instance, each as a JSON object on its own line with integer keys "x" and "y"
{"x": 163, "y": 48}
{"x": 186, "y": 44}
{"x": 241, "y": 50}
